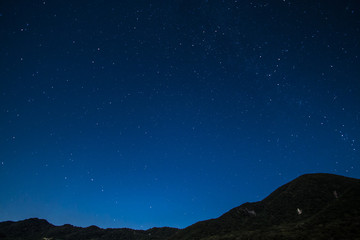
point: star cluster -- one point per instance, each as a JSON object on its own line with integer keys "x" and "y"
{"x": 163, "y": 113}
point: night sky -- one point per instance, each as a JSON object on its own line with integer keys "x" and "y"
{"x": 139, "y": 113}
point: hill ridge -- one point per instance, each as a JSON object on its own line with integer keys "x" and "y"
{"x": 312, "y": 206}
{"x": 299, "y": 202}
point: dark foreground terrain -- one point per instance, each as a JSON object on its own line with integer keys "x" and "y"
{"x": 313, "y": 206}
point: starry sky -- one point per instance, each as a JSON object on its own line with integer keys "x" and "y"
{"x": 139, "y": 113}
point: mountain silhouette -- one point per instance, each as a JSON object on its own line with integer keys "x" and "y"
{"x": 313, "y": 206}
{"x": 36, "y": 229}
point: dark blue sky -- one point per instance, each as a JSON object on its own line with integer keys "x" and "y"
{"x": 163, "y": 113}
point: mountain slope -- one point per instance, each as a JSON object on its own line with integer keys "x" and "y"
{"x": 313, "y": 206}
{"x": 322, "y": 206}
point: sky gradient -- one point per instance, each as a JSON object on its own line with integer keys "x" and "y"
{"x": 163, "y": 113}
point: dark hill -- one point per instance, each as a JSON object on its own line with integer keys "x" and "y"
{"x": 38, "y": 229}
{"x": 313, "y": 206}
